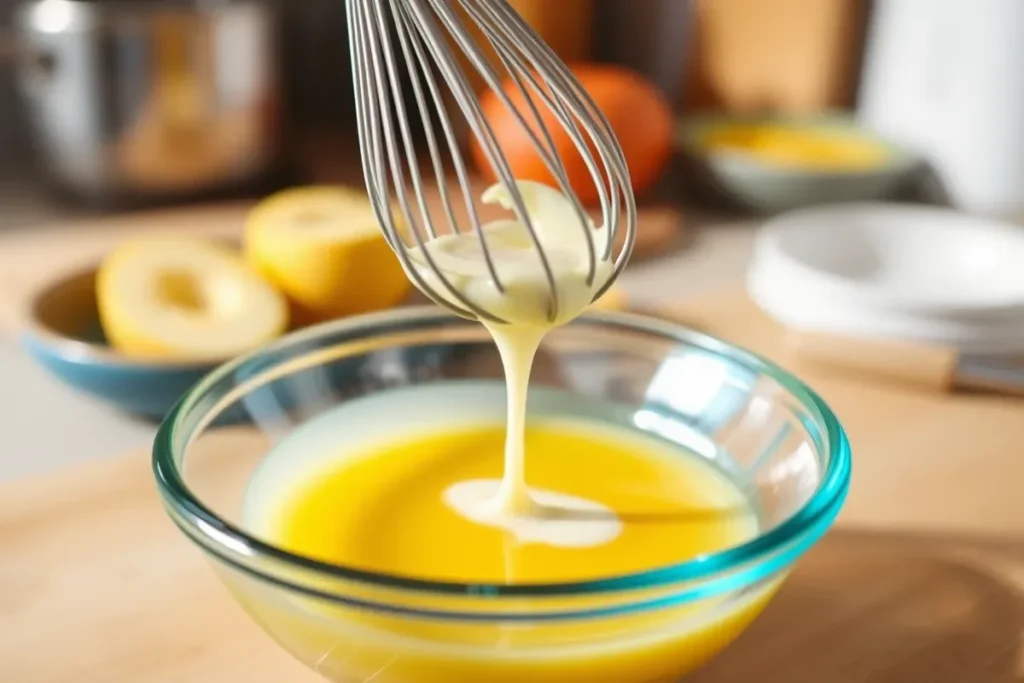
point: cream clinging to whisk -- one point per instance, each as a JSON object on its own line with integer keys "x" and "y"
{"x": 426, "y": 42}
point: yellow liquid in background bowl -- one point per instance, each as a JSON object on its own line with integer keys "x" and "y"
{"x": 365, "y": 488}
{"x": 801, "y": 148}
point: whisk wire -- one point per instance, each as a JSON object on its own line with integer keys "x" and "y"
{"x": 462, "y": 175}
{"x": 485, "y": 134}
{"x": 494, "y": 25}
{"x": 371, "y": 149}
{"x": 379, "y": 117}
{"x": 413, "y": 51}
{"x": 405, "y": 142}
{"x": 585, "y": 110}
{"x": 430, "y": 38}
{"x": 546, "y": 148}
{"x": 582, "y": 108}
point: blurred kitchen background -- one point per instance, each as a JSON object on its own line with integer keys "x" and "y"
{"x": 106, "y": 104}
{"x": 127, "y": 118}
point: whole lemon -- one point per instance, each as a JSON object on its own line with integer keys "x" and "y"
{"x": 323, "y": 247}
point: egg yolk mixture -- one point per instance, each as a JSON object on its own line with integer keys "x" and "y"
{"x": 387, "y": 512}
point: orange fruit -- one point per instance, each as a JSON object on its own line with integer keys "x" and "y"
{"x": 637, "y": 111}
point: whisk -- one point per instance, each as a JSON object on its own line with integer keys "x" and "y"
{"x": 424, "y": 41}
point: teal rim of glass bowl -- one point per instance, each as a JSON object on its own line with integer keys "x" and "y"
{"x": 702, "y": 577}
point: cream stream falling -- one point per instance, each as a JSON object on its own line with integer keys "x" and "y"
{"x": 510, "y": 504}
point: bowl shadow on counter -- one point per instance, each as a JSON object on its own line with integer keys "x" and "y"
{"x": 881, "y": 607}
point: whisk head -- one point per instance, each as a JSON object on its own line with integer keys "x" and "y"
{"x": 407, "y": 55}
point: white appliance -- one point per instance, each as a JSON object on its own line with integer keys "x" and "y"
{"x": 946, "y": 78}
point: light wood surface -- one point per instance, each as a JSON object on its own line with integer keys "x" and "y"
{"x": 919, "y": 583}
{"x": 884, "y": 360}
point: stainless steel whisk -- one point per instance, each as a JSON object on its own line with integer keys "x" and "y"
{"x": 421, "y": 41}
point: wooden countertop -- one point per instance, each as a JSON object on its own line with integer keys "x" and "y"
{"x": 920, "y": 582}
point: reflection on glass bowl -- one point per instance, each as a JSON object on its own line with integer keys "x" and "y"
{"x": 762, "y": 427}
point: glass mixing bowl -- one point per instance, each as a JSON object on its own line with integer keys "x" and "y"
{"x": 761, "y": 426}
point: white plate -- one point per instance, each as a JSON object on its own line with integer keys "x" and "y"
{"x": 894, "y": 270}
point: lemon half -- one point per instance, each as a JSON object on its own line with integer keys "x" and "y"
{"x": 323, "y": 247}
{"x": 614, "y": 299}
{"x": 177, "y": 298}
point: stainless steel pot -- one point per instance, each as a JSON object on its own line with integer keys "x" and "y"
{"x": 152, "y": 99}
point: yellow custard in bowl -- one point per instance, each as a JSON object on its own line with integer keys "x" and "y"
{"x": 387, "y": 511}
{"x": 387, "y": 504}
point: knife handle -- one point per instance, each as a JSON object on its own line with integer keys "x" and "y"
{"x": 923, "y": 365}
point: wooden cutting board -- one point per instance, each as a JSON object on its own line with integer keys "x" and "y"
{"x": 921, "y": 581}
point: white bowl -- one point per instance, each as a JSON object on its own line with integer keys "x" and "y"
{"x": 894, "y": 270}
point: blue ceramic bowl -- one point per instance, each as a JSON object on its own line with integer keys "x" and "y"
{"x": 63, "y": 334}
